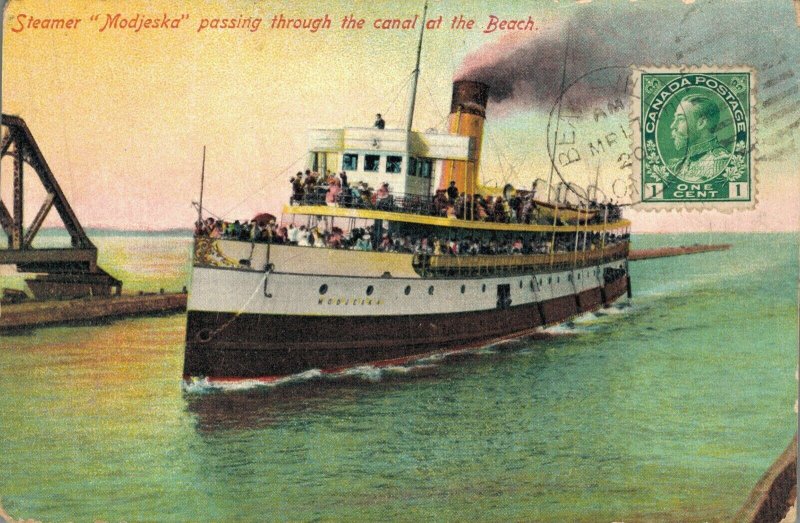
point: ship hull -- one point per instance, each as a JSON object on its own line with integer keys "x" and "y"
{"x": 257, "y": 345}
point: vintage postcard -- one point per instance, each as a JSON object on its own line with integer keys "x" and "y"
{"x": 430, "y": 260}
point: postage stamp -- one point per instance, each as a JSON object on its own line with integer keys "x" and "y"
{"x": 695, "y": 134}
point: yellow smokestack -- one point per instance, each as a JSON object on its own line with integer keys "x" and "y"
{"x": 467, "y": 114}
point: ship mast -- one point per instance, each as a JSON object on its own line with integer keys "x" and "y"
{"x": 410, "y": 119}
{"x": 558, "y": 119}
{"x": 202, "y": 183}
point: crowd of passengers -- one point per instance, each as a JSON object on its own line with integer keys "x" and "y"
{"x": 311, "y": 188}
{"x": 362, "y": 239}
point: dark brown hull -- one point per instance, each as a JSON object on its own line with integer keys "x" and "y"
{"x": 226, "y": 346}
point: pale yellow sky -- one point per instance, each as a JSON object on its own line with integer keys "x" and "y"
{"x": 122, "y": 116}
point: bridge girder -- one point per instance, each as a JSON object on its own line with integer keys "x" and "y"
{"x": 80, "y": 261}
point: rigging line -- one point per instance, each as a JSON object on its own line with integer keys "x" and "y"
{"x": 206, "y": 209}
{"x": 433, "y": 99}
{"x": 238, "y": 313}
{"x": 402, "y": 86}
{"x": 497, "y": 154}
{"x": 524, "y": 157}
{"x": 512, "y": 165}
{"x": 257, "y": 191}
{"x": 441, "y": 128}
{"x": 438, "y": 127}
{"x": 502, "y": 151}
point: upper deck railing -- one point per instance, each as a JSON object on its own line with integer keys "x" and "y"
{"x": 489, "y": 209}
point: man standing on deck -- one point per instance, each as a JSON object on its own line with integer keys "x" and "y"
{"x": 379, "y": 123}
{"x": 452, "y": 192}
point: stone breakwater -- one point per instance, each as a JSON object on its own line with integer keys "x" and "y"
{"x": 32, "y": 314}
{"x": 664, "y": 252}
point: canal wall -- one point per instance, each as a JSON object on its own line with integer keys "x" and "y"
{"x": 39, "y": 313}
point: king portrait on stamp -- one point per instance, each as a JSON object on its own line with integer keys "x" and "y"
{"x": 693, "y": 127}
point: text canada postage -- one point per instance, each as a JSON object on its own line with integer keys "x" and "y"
{"x": 695, "y": 131}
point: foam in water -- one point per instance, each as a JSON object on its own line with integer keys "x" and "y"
{"x": 433, "y": 358}
{"x": 583, "y": 323}
{"x": 614, "y": 310}
{"x": 587, "y": 317}
{"x": 204, "y": 385}
{"x": 367, "y": 373}
{"x": 564, "y": 328}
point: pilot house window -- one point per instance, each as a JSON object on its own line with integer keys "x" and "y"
{"x": 425, "y": 168}
{"x": 412, "y": 166}
{"x": 350, "y": 162}
{"x": 372, "y": 162}
{"x": 393, "y": 164}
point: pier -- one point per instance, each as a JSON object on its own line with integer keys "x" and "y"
{"x": 39, "y": 313}
{"x": 665, "y": 252}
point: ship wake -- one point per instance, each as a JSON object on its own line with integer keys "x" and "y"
{"x": 361, "y": 373}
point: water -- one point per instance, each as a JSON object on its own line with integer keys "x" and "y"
{"x": 667, "y": 410}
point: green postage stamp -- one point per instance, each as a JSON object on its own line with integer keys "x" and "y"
{"x": 695, "y": 137}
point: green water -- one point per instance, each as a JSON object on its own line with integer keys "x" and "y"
{"x": 667, "y": 410}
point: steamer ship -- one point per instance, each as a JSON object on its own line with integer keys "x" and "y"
{"x": 259, "y": 309}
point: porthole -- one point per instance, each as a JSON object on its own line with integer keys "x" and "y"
{"x": 323, "y": 288}
{"x": 370, "y": 288}
{"x": 531, "y": 284}
{"x": 520, "y": 284}
{"x": 569, "y": 277}
{"x": 558, "y": 279}
{"x": 483, "y": 288}
{"x": 463, "y": 289}
{"x": 430, "y": 290}
{"x": 204, "y": 335}
{"x": 579, "y": 276}
{"x": 549, "y": 279}
{"x": 408, "y": 290}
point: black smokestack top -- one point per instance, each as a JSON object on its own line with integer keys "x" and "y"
{"x": 596, "y": 43}
{"x": 470, "y": 97}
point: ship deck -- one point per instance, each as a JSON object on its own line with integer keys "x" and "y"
{"x": 437, "y": 221}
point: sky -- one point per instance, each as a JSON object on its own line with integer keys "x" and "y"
{"x": 122, "y": 116}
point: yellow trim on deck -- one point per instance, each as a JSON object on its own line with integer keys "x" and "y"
{"x": 371, "y": 214}
{"x": 525, "y": 260}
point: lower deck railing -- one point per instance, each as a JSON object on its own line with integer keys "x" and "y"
{"x": 479, "y": 265}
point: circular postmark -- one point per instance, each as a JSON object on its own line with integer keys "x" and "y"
{"x": 589, "y": 137}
